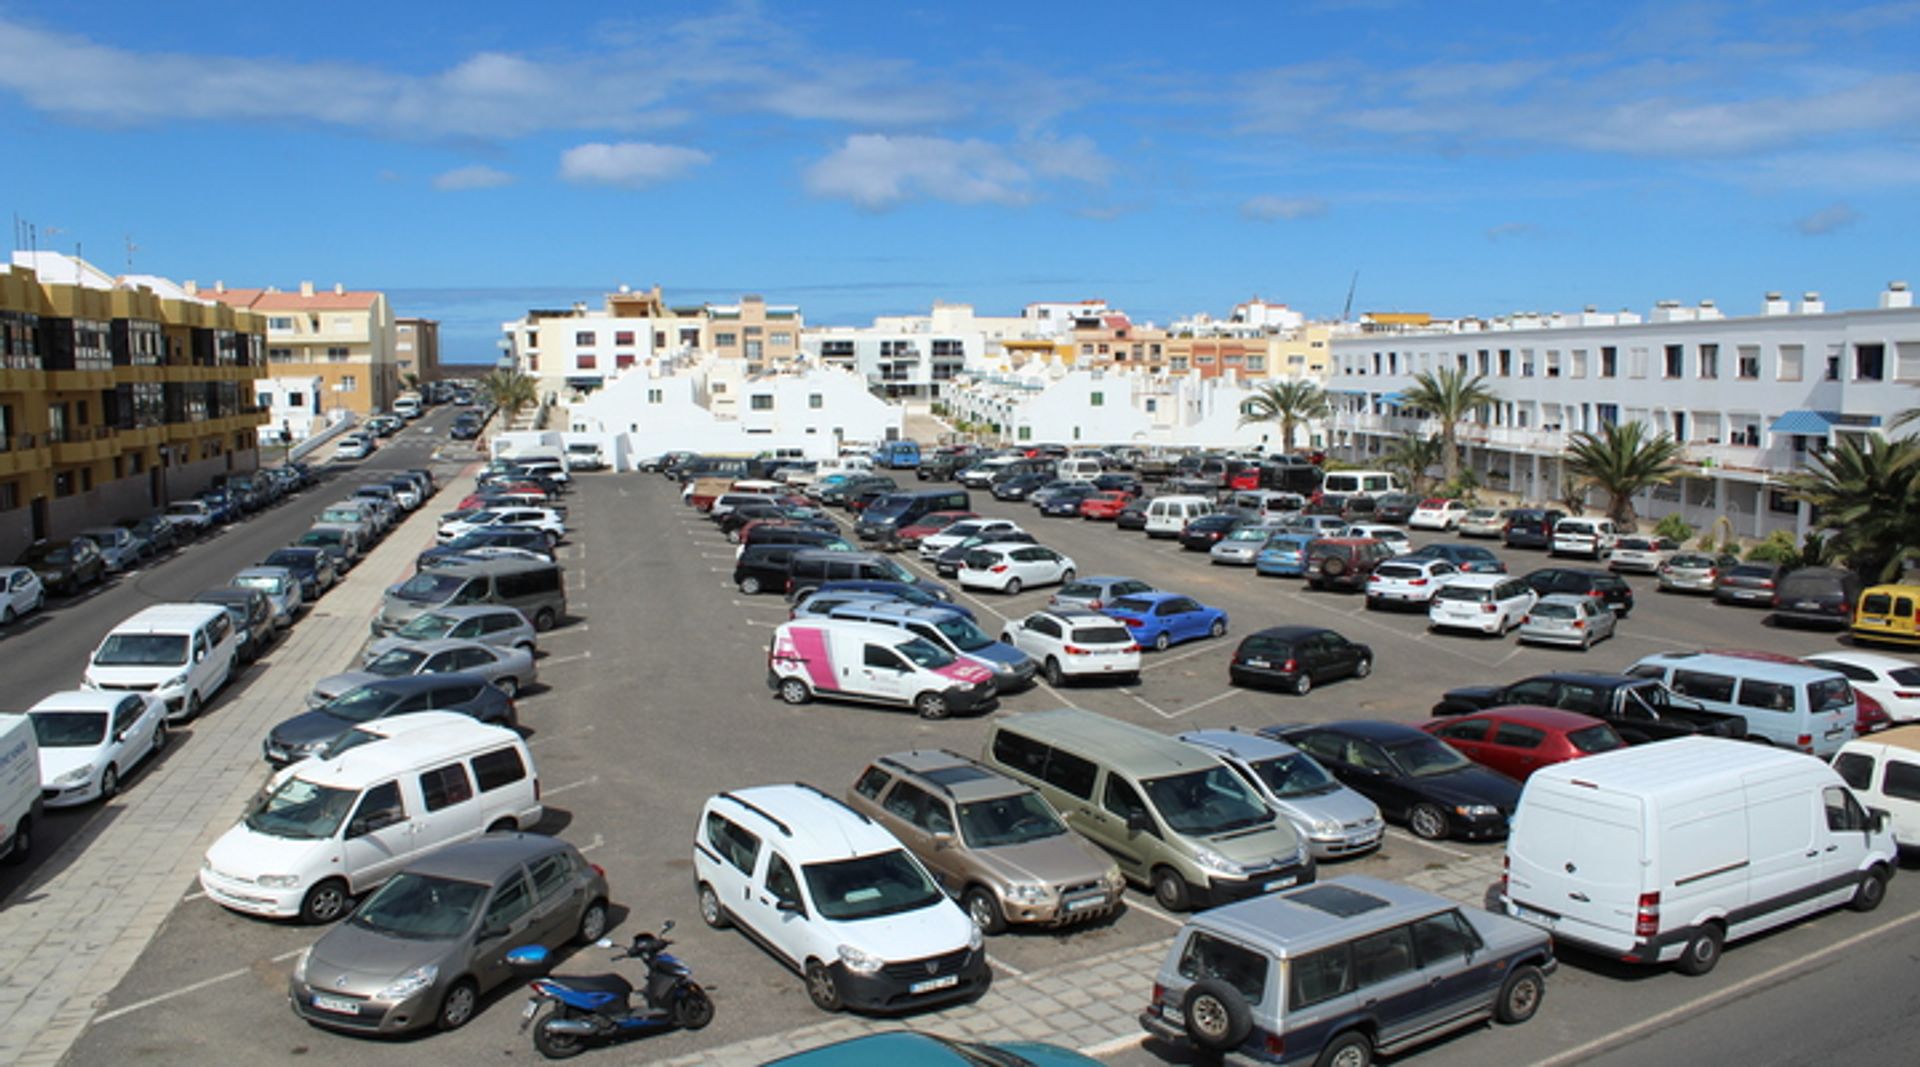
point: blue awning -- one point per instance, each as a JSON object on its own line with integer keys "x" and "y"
{"x": 1396, "y": 399}
{"x": 1812, "y": 423}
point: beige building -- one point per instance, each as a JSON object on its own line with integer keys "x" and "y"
{"x": 763, "y": 335}
{"x": 347, "y": 338}
{"x": 416, "y": 348}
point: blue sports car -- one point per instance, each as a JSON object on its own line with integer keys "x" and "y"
{"x": 1158, "y": 620}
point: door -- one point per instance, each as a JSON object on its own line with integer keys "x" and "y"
{"x": 560, "y": 896}
{"x": 921, "y": 821}
{"x": 1179, "y": 617}
{"x": 449, "y": 811}
{"x": 133, "y": 725}
{"x": 507, "y": 923}
{"x": 1132, "y": 846}
{"x": 1515, "y": 749}
{"x": 780, "y": 910}
{"x": 732, "y": 853}
{"x": 380, "y": 837}
{"x": 1446, "y": 947}
{"x": 1468, "y": 736}
{"x": 1783, "y": 855}
{"x": 1843, "y": 845}
{"x": 1387, "y": 984}
{"x": 881, "y": 675}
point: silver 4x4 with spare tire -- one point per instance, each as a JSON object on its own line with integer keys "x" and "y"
{"x": 1337, "y": 972}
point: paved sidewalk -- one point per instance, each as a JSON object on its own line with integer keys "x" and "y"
{"x": 1088, "y": 1004}
{"x": 76, "y": 928}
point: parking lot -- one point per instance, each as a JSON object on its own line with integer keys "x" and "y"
{"x": 653, "y": 697}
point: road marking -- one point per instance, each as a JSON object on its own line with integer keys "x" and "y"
{"x": 195, "y": 895}
{"x": 1409, "y": 838}
{"x": 1005, "y": 966}
{"x": 558, "y": 660}
{"x": 576, "y": 628}
{"x": 1113, "y": 1045}
{"x": 1148, "y": 704}
{"x": 1163, "y": 659}
{"x": 1713, "y": 999}
{"x": 593, "y": 844}
{"x": 1205, "y": 703}
{"x": 1148, "y": 909}
{"x": 775, "y": 605}
{"x": 559, "y": 789}
{"x": 546, "y": 737}
{"x": 1058, "y": 695}
{"x": 137, "y": 1005}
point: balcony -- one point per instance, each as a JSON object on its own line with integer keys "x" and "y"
{"x": 84, "y": 444}
{"x": 24, "y": 452}
{"x": 1747, "y": 459}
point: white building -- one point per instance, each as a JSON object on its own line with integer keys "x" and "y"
{"x": 1254, "y": 318}
{"x": 917, "y": 357}
{"x": 669, "y": 406}
{"x": 1055, "y": 405}
{"x": 1751, "y": 397}
{"x": 575, "y": 350}
{"x": 296, "y": 406}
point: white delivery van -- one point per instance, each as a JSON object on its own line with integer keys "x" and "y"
{"x": 875, "y": 663}
{"x": 1884, "y": 771}
{"x": 1360, "y": 483}
{"x": 1078, "y": 469}
{"x": 181, "y": 653}
{"x": 329, "y": 828}
{"x": 19, "y": 787}
{"x": 1168, "y": 515}
{"x": 1663, "y": 853}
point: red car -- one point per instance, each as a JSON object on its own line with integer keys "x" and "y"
{"x": 1105, "y": 505}
{"x": 1522, "y": 738}
{"x": 1868, "y": 714}
{"x": 931, "y": 523}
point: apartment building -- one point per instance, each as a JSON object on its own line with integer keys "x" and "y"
{"x": 1057, "y": 404}
{"x": 347, "y": 338}
{"x": 760, "y": 335}
{"x": 1751, "y": 397}
{"x": 117, "y": 395}
{"x": 416, "y": 349}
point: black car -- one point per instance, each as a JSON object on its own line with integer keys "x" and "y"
{"x": 464, "y": 429}
{"x": 1580, "y": 581}
{"x": 65, "y": 567}
{"x": 1817, "y": 596}
{"x": 1065, "y": 503}
{"x": 1018, "y": 486}
{"x": 942, "y": 466}
{"x": 1531, "y": 527}
{"x": 251, "y": 614}
{"x": 1134, "y": 515}
{"x": 1297, "y": 658}
{"x": 947, "y": 563}
{"x": 1395, "y": 508}
{"x": 312, "y": 566}
{"x": 1413, "y": 776}
{"x": 469, "y": 694}
{"x": 1201, "y": 534}
{"x": 521, "y": 537}
{"x": 762, "y": 568}
{"x": 1639, "y": 709}
{"x": 1118, "y": 481}
{"x": 737, "y": 517}
{"x": 842, "y": 493}
{"x": 793, "y": 533}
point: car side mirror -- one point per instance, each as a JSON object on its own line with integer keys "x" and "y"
{"x": 200, "y": 656}
{"x": 943, "y": 839}
{"x": 1878, "y": 819}
{"x": 790, "y": 906}
{"x": 491, "y": 932}
{"x": 1139, "y": 822}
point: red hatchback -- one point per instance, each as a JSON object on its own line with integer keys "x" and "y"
{"x": 1522, "y": 738}
{"x": 1107, "y": 504}
{"x": 931, "y": 523}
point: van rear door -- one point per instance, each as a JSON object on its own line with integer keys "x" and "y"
{"x": 1575, "y": 860}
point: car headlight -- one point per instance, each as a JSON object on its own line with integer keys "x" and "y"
{"x": 859, "y": 962}
{"x": 1475, "y": 810}
{"x": 966, "y": 687}
{"x": 176, "y": 680}
{"x": 300, "y": 965}
{"x": 1026, "y": 893}
{"x": 278, "y": 881}
{"x": 1325, "y": 827}
{"x": 1215, "y": 862}
{"x": 410, "y": 983}
{"x": 75, "y": 776}
{"x": 1114, "y": 879}
{"x": 975, "y": 939}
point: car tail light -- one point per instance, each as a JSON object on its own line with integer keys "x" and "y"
{"x": 1290, "y": 666}
{"x": 998, "y": 568}
{"x": 1488, "y": 609}
{"x": 1159, "y": 995}
{"x": 1766, "y": 583}
{"x": 1713, "y": 572}
{"x": 1526, "y": 620}
{"x": 1375, "y": 578}
{"x": 1076, "y": 650}
{"x": 1804, "y": 742}
{"x": 1276, "y": 1045}
{"x": 1906, "y": 694}
{"x": 1133, "y": 648}
{"x": 1418, "y": 581}
{"x": 1125, "y": 621}
{"x": 1579, "y": 624}
{"x": 599, "y": 870}
{"x": 1093, "y": 605}
{"x": 1646, "y": 919}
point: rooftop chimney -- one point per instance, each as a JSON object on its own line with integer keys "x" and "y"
{"x": 1896, "y": 296}
{"x": 339, "y": 288}
{"x": 192, "y": 287}
{"x": 1775, "y": 304}
{"x": 306, "y": 288}
{"x": 1811, "y": 304}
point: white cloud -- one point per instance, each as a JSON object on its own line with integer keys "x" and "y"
{"x": 1827, "y": 220}
{"x": 1272, "y": 208}
{"x": 1076, "y": 158}
{"x": 478, "y": 176}
{"x": 877, "y": 171}
{"x": 629, "y": 165}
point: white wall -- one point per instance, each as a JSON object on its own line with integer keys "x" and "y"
{"x": 299, "y": 422}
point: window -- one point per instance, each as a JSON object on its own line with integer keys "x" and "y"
{"x": 349, "y": 383}
{"x": 653, "y": 396}
{"x": 1383, "y": 956}
{"x": 1208, "y": 957}
{"x": 1023, "y": 754}
{"x": 1070, "y": 773}
{"x": 281, "y": 323}
{"x": 872, "y": 782}
{"x": 762, "y": 401}
{"x": 1869, "y": 363}
{"x": 1767, "y": 696}
{"x": 1609, "y": 362}
{"x": 1902, "y": 780}
{"x": 1466, "y": 730}
{"x": 815, "y": 401}
{"x": 1856, "y": 769}
{"x": 725, "y": 340}
{"x": 1320, "y": 976}
{"x": 1121, "y": 799}
{"x": 1097, "y": 399}
{"x": 623, "y": 337}
{"x": 781, "y": 882}
{"x": 1444, "y": 937}
{"x": 735, "y": 845}
{"x": 381, "y": 807}
{"x": 586, "y": 361}
{"x": 1675, "y": 356}
{"x": 444, "y": 787}
{"x": 336, "y": 353}
{"x": 1843, "y": 812}
{"x": 780, "y": 337}
{"x": 512, "y": 898}
{"x": 500, "y": 767}
{"x": 1709, "y": 361}
{"x": 1791, "y": 357}
{"x": 1514, "y": 735}
{"x": 583, "y": 337}
{"x": 1749, "y": 368}
{"x": 1703, "y": 686}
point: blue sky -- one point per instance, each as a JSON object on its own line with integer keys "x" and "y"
{"x": 1464, "y": 158}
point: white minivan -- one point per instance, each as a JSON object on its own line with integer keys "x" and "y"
{"x": 1663, "y": 853}
{"x": 874, "y": 663}
{"x": 331, "y": 827}
{"x": 1360, "y": 483}
{"x": 1884, "y": 771}
{"x": 181, "y": 653}
{"x": 1168, "y": 515}
{"x": 19, "y": 787}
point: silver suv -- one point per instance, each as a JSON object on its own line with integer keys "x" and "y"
{"x": 1334, "y": 820}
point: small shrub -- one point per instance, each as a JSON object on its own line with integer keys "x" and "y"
{"x": 1674, "y": 528}
{"x": 1778, "y": 548}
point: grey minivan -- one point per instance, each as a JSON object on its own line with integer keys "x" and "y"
{"x": 535, "y": 587}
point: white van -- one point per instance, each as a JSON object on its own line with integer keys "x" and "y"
{"x": 1168, "y": 515}
{"x": 1078, "y": 469}
{"x": 837, "y": 465}
{"x": 1793, "y": 705}
{"x": 329, "y": 828}
{"x": 1884, "y": 771}
{"x": 1360, "y": 483}
{"x": 407, "y": 406}
{"x": 1663, "y": 853}
{"x": 19, "y": 786}
{"x": 872, "y": 662}
{"x": 181, "y": 653}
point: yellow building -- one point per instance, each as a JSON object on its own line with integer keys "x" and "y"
{"x": 116, "y": 396}
{"x": 416, "y": 350}
{"x": 346, "y": 338}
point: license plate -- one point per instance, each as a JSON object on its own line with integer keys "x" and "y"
{"x": 334, "y": 1004}
{"x": 1259, "y": 663}
{"x": 1277, "y": 884}
{"x": 1873, "y": 620}
{"x": 1083, "y": 905}
{"x": 1807, "y": 605}
{"x": 945, "y": 981}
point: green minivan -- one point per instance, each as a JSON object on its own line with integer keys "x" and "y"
{"x": 1174, "y": 817}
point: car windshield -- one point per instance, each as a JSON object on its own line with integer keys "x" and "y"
{"x": 1468, "y": 593}
{"x": 397, "y": 663}
{"x": 142, "y": 650}
{"x": 429, "y": 588}
{"x": 1597, "y": 738}
{"x": 420, "y": 907}
{"x": 924, "y": 653}
{"x": 185, "y": 509}
{"x": 868, "y": 887}
{"x": 266, "y": 583}
{"x": 49, "y": 554}
{"x": 1696, "y": 562}
{"x": 1205, "y": 803}
{"x": 300, "y": 810}
{"x": 428, "y": 626}
{"x": 1295, "y": 775}
{"x": 1004, "y": 821}
{"x": 1424, "y": 757}
{"x": 69, "y": 729}
{"x": 963, "y": 633}
{"x": 1546, "y": 610}
{"x": 359, "y": 705}
{"x": 323, "y": 537}
{"x": 1830, "y": 694}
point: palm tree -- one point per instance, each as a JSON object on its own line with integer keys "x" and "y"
{"x": 1449, "y": 395}
{"x": 1413, "y": 456}
{"x": 1290, "y": 403}
{"x": 1869, "y": 497}
{"x": 1623, "y": 460}
{"x": 509, "y": 391}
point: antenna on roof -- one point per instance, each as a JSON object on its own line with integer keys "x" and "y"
{"x": 1351, "y": 286}
{"x": 131, "y": 249}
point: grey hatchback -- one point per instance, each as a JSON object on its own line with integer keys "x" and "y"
{"x": 423, "y": 948}
{"x": 1336, "y": 972}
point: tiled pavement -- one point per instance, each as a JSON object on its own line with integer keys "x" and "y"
{"x": 75, "y": 929}
{"x": 1087, "y": 1004}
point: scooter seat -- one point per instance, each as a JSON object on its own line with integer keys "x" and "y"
{"x": 599, "y": 983}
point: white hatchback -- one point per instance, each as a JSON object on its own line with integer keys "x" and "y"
{"x": 1437, "y": 514}
{"x": 1408, "y": 581}
{"x": 1076, "y": 644}
{"x": 20, "y": 593}
{"x": 89, "y": 740}
{"x": 935, "y": 543}
{"x": 1012, "y": 566}
{"x": 1893, "y": 681}
{"x": 1583, "y": 537}
{"x": 1489, "y": 603}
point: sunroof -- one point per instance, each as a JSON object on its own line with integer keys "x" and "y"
{"x": 1336, "y": 900}
{"x": 955, "y": 774}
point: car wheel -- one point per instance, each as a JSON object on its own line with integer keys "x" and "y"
{"x": 109, "y": 783}
{"x": 1218, "y": 629}
{"x": 193, "y": 706}
{"x": 1351, "y": 1049}
{"x": 711, "y": 911}
{"x": 1364, "y": 667}
{"x": 931, "y": 705}
{"x": 1216, "y": 1015}
{"x": 1428, "y": 822}
{"x": 502, "y": 826}
{"x": 1520, "y": 995}
{"x": 1871, "y": 891}
{"x": 1162, "y": 642}
{"x": 324, "y": 902}
{"x": 1066, "y": 576}
{"x": 794, "y": 691}
{"x": 821, "y": 988}
{"x": 1012, "y": 588}
{"x": 1302, "y": 684}
{"x": 750, "y": 585}
{"x": 7, "y": 616}
{"x": 1702, "y": 951}
{"x": 1054, "y": 675}
{"x": 159, "y": 738}
{"x": 1170, "y": 890}
{"x": 593, "y": 923}
{"x": 556, "y": 1044}
{"x": 984, "y": 910}
{"x": 22, "y": 843}
{"x": 457, "y": 1007}
{"x": 544, "y": 620}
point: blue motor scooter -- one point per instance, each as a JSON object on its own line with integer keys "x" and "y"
{"x": 596, "y": 1008}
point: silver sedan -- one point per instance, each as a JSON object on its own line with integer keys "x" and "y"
{"x": 1565, "y": 619}
{"x": 509, "y": 669}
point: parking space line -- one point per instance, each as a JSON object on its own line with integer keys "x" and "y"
{"x": 576, "y": 628}
{"x": 1204, "y": 703}
{"x": 1148, "y": 909}
{"x": 1114, "y": 1045}
{"x": 1160, "y": 662}
{"x": 1409, "y": 838}
{"x": 559, "y": 789}
{"x": 195, "y": 987}
{"x": 1005, "y": 966}
{"x": 1148, "y": 704}
{"x": 1058, "y": 695}
{"x": 546, "y": 735}
{"x": 775, "y": 605}
{"x": 558, "y": 660}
